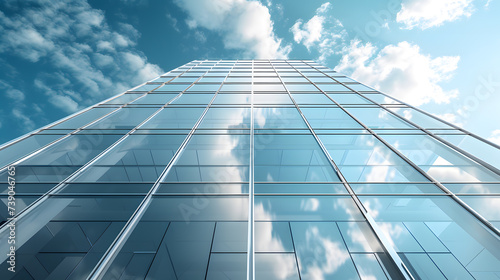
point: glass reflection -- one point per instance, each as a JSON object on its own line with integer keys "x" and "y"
{"x": 439, "y": 160}
{"x": 139, "y": 158}
{"x": 64, "y": 237}
{"x": 291, "y": 158}
{"x": 278, "y": 118}
{"x": 363, "y": 158}
{"x": 431, "y": 225}
{"x": 321, "y": 252}
{"x": 213, "y": 158}
{"x": 378, "y": 118}
{"x": 225, "y": 118}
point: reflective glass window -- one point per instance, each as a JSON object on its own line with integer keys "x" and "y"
{"x": 226, "y": 118}
{"x": 378, "y": 118}
{"x": 172, "y": 117}
{"x": 83, "y": 118}
{"x": 439, "y": 160}
{"x": 213, "y": 158}
{"x": 291, "y": 158}
{"x": 363, "y": 158}
{"x": 277, "y": 118}
{"x": 439, "y": 229}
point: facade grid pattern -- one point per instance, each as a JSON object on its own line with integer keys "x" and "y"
{"x": 251, "y": 169}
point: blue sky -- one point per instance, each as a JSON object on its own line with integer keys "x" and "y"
{"x": 58, "y": 57}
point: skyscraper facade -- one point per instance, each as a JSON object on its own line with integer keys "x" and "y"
{"x": 250, "y": 169}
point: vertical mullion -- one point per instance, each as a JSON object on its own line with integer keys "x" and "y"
{"x": 251, "y": 236}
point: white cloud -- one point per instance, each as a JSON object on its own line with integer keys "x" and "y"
{"x": 321, "y": 33}
{"x": 495, "y": 136}
{"x": 26, "y": 122}
{"x": 244, "y": 25}
{"x": 424, "y": 14}
{"x": 88, "y": 60}
{"x": 400, "y": 70}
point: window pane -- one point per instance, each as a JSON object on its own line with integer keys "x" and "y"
{"x": 66, "y": 236}
{"x": 378, "y": 118}
{"x": 213, "y": 158}
{"x": 333, "y": 118}
{"x": 224, "y": 118}
{"x": 83, "y": 118}
{"x": 291, "y": 158}
{"x": 125, "y": 118}
{"x": 439, "y": 160}
{"x": 451, "y": 236}
{"x": 139, "y": 158}
{"x": 363, "y": 158}
{"x": 172, "y": 117}
{"x": 278, "y": 118}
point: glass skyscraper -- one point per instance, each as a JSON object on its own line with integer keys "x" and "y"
{"x": 250, "y": 169}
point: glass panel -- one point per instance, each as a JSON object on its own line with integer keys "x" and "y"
{"x": 172, "y": 117}
{"x": 24, "y": 147}
{"x": 139, "y": 158}
{"x": 378, "y": 118}
{"x": 83, "y": 118}
{"x": 476, "y": 147}
{"x": 213, "y": 158}
{"x": 321, "y": 251}
{"x": 438, "y": 160}
{"x": 193, "y": 99}
{"x": 360, "y": 87}
{"x": 311, "y": 98}
{"x": 456, "y": 241}
{"x": 155, "y": 99}
{"x": 302, "y": 188}
{"x": 363, "y": 158}
{"x": 172, "y": 87}
{"x": 60, "y": 160}
{"x": 236, "y": 87}
{"x": 301, "y": 87}
{"x": 204, "y": 88}
{"x": 349, "y": 99}
{"x": 333, "y": 88}
{"x": 125, "y": 118}
{"x": 276, "y": 266}
{"x": 125, "y": 98}
{"x": 380, "y": 98}
{"x": 307, "y": 208}
{"x": 329, "y": 118}
{"x": 406, "y": 188}
{"x": 64, "y": 237}
{"x": 272, "y": 99}
{"x": 419, "y": 118}
{"x": 291, "y": 158}
{"x": 232, "y": 99}
{"x": 486, "y": 206}
{"x": 474, "y": 188}
{"x": 147, "y": 87}
{"x": 278, "y": 118}
{"x": 226, "y": 118}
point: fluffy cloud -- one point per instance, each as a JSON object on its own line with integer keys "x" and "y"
{"x": 400, "y": 70}
{"x": 321, "y": 33}
{"x": 428, "y": 13}
{"x": 244, "y": 25}
{"x": 495, "y": 136}
{"x": 88, "y": 60}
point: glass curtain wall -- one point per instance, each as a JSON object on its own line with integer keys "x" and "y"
{"x": 250, "y": 169}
